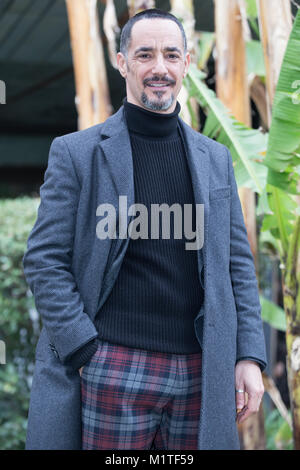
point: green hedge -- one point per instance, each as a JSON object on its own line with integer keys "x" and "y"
{"x": 19, "y": 322}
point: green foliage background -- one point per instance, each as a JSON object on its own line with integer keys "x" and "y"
{"x": 19, "y": 322}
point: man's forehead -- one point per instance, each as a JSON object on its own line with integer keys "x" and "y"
{"x": 151, "y": 32}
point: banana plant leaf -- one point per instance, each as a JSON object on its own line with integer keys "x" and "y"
{"x": 272, "y": 314}
{"x": 283, "y": 152}
{"x": 255, "y": 58}
{"x": 247, "y": 146}
{"x": 251, "y": 10}
{"x": 204, "y": 47}
{"x": 289, "y": 208}
{"x": 268, "y": 244}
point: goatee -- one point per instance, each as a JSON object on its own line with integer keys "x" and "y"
{"x": 154, "y": 105}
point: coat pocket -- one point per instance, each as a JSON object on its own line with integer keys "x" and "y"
{"x": 219, "y": 193}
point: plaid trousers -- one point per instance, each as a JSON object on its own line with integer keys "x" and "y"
{"x": 138, "y": 399}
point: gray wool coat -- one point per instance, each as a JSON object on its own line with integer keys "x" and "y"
{"x": 71, "y": 271}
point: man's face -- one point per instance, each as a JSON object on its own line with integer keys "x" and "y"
{"x": 155, "y": 65}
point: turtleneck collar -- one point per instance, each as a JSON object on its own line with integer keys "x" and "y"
{"x": 149, "y": 123}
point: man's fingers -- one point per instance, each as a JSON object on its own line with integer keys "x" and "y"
{"x": 244, "y": 414}
{"x": 251, "y": 407}
{"x": 254, "y": 400}
{"x": 240, "y": 399}
{"x": 248, "y": 381}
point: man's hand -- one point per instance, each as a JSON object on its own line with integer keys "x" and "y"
{"x": 248, "y": 378}
{"x": 80, "y": 371}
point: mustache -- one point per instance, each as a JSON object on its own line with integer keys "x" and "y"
{"x": 158, "y": 79}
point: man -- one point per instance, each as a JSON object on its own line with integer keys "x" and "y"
{"x": 145, "y": 344}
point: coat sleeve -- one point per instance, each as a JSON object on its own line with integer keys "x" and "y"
{"x": 261, "y": 364}
{"x": 47, "y": 260}
{"x": 250, "y": 334}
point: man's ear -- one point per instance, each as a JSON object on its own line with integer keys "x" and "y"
{"x": 121, "y": 62}
{"x": 186, "y": 63}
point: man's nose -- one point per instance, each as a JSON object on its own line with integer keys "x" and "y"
{"x": 159, "y": 66}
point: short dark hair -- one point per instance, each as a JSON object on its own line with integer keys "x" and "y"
{"x": 151, "y": 13}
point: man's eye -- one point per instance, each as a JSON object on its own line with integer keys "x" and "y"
{"x": 144, "y": 56}
{"x": 173, "y": 56}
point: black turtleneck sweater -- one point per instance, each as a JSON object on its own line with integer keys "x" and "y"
{"x": 157, "y": 293}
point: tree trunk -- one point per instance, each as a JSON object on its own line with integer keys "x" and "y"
{"x": 258, "y": 95}
{"x": 184, "y": 10}
{"x": 92, "y": 93}
{"x": 135, "y": 6}
{"x": 291, "y": 301}
{"x": 111, "y": 29}
{"x": 275, "y": 26}
{"x": 232, "y": 89}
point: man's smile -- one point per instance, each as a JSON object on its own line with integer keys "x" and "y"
{"x": 158, "y": 87}
{"x": 158, "y": 84}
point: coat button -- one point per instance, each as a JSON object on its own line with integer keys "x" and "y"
{"x": 56, "y": 353}
{"x": 54, "y": 350}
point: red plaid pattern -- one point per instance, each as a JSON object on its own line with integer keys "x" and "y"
{"x": 137, "y": 399}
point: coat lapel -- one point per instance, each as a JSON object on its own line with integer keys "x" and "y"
{"x": 198, "y": 161}
{"x": 117, "y": 150}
